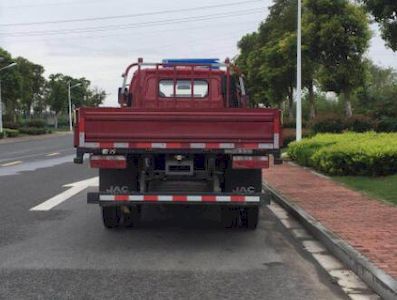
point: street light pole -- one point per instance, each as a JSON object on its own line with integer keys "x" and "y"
{"x": 70, "y": 108}
{"x": 70, "y": 103}
{"x": 299, "y": 75}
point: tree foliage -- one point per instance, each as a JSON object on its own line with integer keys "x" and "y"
{"x": 385, "y": 13}
{"x": 335, "y": 38}
{"x": 25, "y": 90}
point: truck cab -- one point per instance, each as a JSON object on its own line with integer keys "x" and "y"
{"x": 184, "y": 134}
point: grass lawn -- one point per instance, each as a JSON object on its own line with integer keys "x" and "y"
{"x": 384, "y": 188}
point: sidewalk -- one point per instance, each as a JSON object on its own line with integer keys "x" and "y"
{"x": 370, "y": 226}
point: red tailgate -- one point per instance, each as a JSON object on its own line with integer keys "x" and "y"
{"x": 132, "y": 128}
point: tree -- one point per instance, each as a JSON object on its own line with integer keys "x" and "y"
{"x": 57, "y": 94}
{"x": 95, "y": 97}
{"x": 32, "y": 84}
{"x": 385, "y": 13}
{"x": 10, "y": 85}
{"x": 342, "y": 37}
{"x": 268, "y": 57}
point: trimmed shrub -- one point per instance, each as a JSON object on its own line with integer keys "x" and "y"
{"x": 36, "y": 123}
{"x": 359, "y": 123}
{"x": 292, "y": 124}
{"x": 2, "y": 134}
{"x": 11, "y": 125}
{"x": 289, "y": 135}
{"x": 387, "y": 125}
{"x": 328, "y": 124}
{"x": 11, "y": 132}
{"x": 32, "y": 130}
{"x": 63, "y": 122}
{"x": 364, "y": 154}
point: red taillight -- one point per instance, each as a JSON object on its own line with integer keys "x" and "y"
{"x": 108, "y": 161}
{"x": 250, "y": 162}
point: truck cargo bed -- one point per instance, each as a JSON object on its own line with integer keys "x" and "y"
{"x": 220, "y": 129}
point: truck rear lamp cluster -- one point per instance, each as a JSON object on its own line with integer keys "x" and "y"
{"x": 250, "y": 162}
{"x": 108, "y": 161}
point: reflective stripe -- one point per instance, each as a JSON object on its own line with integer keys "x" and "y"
{"x": 276, "y": 140}
{"x": 265, "y": 146}
{"x": 197, "y": 145}
{"x": 159, "y": 145}
{"x": 176, "y": 145}
{"x": 81, "y": 138}
{"x": 121, "y": 145}
{"x": 180, "y": 198}
{"x": 226, "y": 146}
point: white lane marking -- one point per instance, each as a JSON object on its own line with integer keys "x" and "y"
{"x": 52, "y": 154}
{"x": 13, "y": 163}
{"x": 75, "y": 188}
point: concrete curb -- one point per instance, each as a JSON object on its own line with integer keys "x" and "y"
{"x": 382, "y": 283}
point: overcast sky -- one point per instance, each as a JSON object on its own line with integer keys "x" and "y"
{"x": 155, "y": 29}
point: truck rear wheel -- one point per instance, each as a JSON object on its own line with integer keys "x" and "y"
{"x": 132, "y": 217}
{"x": 111, "y": 216}
{"x": 230, "y": 217}
{"x": 251, "y": 217}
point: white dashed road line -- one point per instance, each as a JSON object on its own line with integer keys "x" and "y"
{"x": 13, "y": 163}
{"x": 52, "y": 154}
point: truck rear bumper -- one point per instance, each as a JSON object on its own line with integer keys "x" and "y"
{"x": 184, "y": 199}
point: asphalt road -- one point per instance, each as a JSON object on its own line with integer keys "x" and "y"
{"x": 175, "y": 253}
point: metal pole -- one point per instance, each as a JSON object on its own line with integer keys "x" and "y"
{"x": 1, "y": 112}
{"x": 70, "y": 108}
{"x": 299, "y": 76}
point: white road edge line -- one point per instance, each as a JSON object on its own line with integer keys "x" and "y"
{"x": 74, "y": 189}
{"x": 13, "y": 163}
{"x": 348, "y": 281}
{"x": 52, "y": 154}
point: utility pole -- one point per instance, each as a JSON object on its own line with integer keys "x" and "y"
{"x": 70, "y": 103}
{"x": 299, "y": 75}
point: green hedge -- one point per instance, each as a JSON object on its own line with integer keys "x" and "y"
{"x": 36, "y": 123}
{"x": 332, "y": 123}
{"x": 11, "y": 132}
{"x": 366, "y": 154}
{"x": 33, "y": 130}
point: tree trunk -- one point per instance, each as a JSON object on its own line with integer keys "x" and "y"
{"x": 348, "y": 104}
{"x": 56, "y": 121}
{"x": 312, "y": 101}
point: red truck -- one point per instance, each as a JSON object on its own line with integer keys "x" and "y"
{"x": 184, "y": 134}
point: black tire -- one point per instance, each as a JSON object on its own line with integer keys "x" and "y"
{"x": 230, "y": 217}
{"x": 132, "y": 218}
{"x": 111, "y": 216}
{"x": 251, "y": 217}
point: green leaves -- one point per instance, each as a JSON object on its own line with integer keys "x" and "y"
{"x": 335, "y": 36}
{"x": 24, "y": 88}
{"x": 385, "y": 13}
{"x": 366, "y": 154}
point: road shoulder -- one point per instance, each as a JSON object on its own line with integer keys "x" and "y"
{"x": 356, "y": 229}
{"x": 34, "y": 137}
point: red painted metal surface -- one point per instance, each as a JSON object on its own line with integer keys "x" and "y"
{"x": 125, "y": 125}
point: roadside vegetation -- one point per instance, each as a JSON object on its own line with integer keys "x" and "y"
{"x": 383, "y": 188}
{"x": 343, "y": 89}
{"x": 361, "y": 154}
{"x": 34, "y": 104}
{"x": 349, "y": 102}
